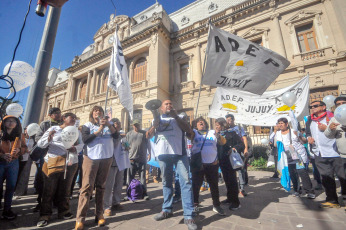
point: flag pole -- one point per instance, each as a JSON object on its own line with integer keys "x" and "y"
{"x": 116, "y": 31}
{"x": 203, "y": 70}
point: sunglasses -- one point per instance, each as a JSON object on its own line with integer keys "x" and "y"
{"x": 314, "y": 106}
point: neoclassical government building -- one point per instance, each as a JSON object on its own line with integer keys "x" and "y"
{"x": 165, "y": 54}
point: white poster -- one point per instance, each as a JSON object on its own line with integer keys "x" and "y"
{"x": 236, "y": 63}
{"x": 264, "y": 110}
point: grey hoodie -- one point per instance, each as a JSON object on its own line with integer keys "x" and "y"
{"x": 339, "y": 135}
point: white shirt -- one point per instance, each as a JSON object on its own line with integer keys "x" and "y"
{"x": 209, "y": 151}
{"x": 323, "y": 145}
{"x": 56, "y": 147}
{"x": 168, "y": 137}
{"x": 102, "y": 147}
{"x": 297, "y": 145}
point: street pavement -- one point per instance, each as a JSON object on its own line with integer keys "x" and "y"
{"x": 267, "y": 206}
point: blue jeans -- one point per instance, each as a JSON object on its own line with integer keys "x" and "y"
{"x": 181, "y": 164}
{"x": 9, "y": 172}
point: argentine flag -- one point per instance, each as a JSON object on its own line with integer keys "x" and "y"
{"x": 283, "y": 167}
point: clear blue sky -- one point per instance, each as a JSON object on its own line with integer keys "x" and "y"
{"x": 79, "y": 21}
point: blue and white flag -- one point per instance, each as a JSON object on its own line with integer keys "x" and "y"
{"x": 283, "y": 167}
{"x": 118, "y": 79}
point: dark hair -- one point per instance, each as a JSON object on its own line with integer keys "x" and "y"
{"x": 321, "y": 102}
{"x": 69, "y": 114}
{"x": 16, "y": 132}
{"x": 339, "y": 99}
{"x": 230, "y": 115}
{"x": 303, "y": 129}
{"x": 201, "y": 119}
{"x": 96, "y": 107}
{"x": 283, "y": 119}
{"x": 222, "y": 122}
{"x": 53, "y": 110}
{"x": 115, "y": 120}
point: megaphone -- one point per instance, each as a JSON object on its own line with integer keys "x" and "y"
{"x": 153, "y": 106}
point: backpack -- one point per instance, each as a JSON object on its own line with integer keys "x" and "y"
{"x": 135, "y": 191}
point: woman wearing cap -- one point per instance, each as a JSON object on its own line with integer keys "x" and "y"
{"x": 12, "y": 146}
{"x": 56, "y": 185}
{"x": 98, "y": 135}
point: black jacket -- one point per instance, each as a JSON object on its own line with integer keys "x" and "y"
{"x": 232, "y": 141}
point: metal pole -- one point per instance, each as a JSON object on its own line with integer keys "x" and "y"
{"x": 42, "y": 65}
{"x": 200, "y": 85}
{"x": 106, "y": 101}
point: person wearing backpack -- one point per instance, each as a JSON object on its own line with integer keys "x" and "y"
{"x": 168, "y": 130}
{"x": 55, "y": 120}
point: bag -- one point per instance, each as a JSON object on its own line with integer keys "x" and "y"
{"x": 196, "y": 158}
{"x": 56, "y": 165}
{"x": 196, "y": 162}
{"x": 135, "y": 191}
{"x": 37, "y": 153}
{"x": 236, "y": 161}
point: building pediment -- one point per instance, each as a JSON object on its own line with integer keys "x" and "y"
{"x": 109, "y": 27}
{"x": 253, "y": 31}
{"x": 302, "y": 15}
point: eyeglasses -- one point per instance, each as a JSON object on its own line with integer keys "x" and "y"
{"x": 314, "y": 106}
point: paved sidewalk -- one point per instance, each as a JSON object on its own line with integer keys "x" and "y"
{"x": 267, "y": 206}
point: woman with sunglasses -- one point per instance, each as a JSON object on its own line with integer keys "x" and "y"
{"x": 12, "y": 146}
{"x": 297, "y": 158}
{"x": 54, "y": 173}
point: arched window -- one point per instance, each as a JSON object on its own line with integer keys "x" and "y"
{"x": 83, "y": 90}
{"x": 140, "y": 71}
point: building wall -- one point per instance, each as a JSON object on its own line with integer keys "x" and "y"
{"x": 274, "y": 22}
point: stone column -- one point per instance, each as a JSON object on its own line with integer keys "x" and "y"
{"x": 90, "y": 72}
{"x": 93, "y": 83}
{"x": 78, "y": 91}
{"x": 73, "y": 89}
{"x": 197, "y": 68}
{"x": 280, "y": 41}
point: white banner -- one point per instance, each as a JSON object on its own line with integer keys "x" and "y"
{"x": 234, "y": 62}
{"x": 264, "y": 110}
{"x": 118, "y": 76}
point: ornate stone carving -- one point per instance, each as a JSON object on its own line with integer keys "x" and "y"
{"x": 154, "y": 39}
{"x": 143, "y": 17}
{"x": 253, "y": 31}
{"x": 319, "y": 81}
{"x": 333, "y": 65}
{"x": 301, "y": 15}
{"x": 212, "y": 7}
{"x": 185, "y": 20}
{"x": 272, "y": 4}
{"x": 301, "y": 71}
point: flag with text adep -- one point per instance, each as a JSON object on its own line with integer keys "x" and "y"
{"x": 118, "y": 76}
{"x": 236, "y": 63}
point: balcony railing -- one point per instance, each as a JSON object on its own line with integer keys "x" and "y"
{"x": 314, "y": 54}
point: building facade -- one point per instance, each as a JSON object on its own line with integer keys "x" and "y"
{"x": 165, "y": 54}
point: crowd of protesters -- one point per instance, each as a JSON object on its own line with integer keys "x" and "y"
{"x": 103, "y": 159}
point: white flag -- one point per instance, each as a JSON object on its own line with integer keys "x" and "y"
{"x": 234, "y": 62}
{"x": 118, "y": 79}
{"x": 260, "y": 110}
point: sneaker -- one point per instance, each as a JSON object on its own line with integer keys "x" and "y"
{"x": 191, "y": 225}
{"x": 227, "y": 201}
{"x": 9, "y": 215}
{"x": 218, "y": 210}
{"x": 202, "y": 189}
{"x": 275, "y": 176}
{"x": 243, "y": 193}
{"x": 329, "y": 205}
{"x": 67, "y": 216}
{"x": 163, "y": 215}
{"x": 107, "y": 212}
{"x": 176, "y": 199}
{"x": 344, "y": 197}
{"x": 234, "y": 207}
{"x": 296, "y": 194}
{"x": 311, "y": 196}
{"x": 155, "y": 180}
{"x": 42, "y": 223}
{"x": 146, "y": 197}
{"x": 318, "y": 187}
{"x": 37, "y": 208}
{"x": 196, "y": 209}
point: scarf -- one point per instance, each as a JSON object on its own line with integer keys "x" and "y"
{"x": 326, "y": 114}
